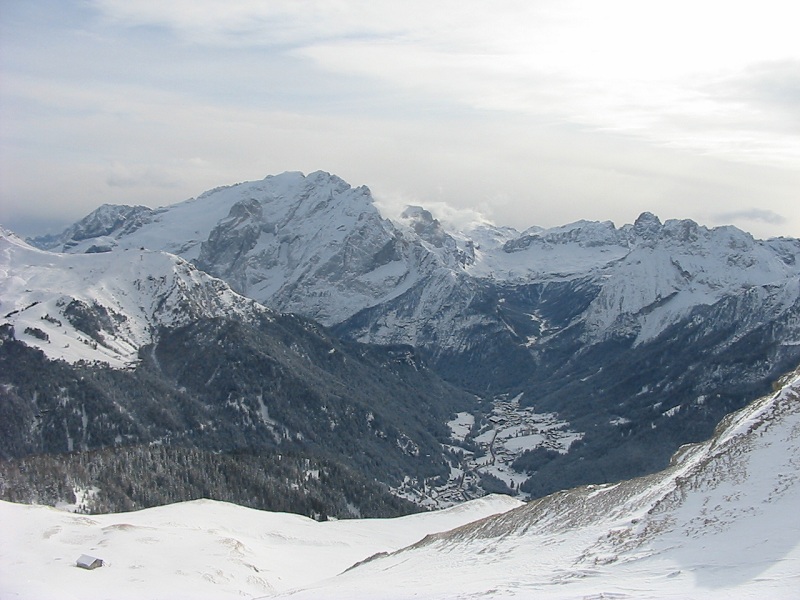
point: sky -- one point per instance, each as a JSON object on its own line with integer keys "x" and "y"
{"x": 521, "y": 112}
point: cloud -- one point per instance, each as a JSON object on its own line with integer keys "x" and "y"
{"x": 771, "y": 89}
{"x": 137, "y": 176}
{"x": 459, "y": 218}
{"x": 673, "y": 74}
{"x": 758, "y": 215}
{"x": 240, "y": 23}
{"x": 537, "y": 113}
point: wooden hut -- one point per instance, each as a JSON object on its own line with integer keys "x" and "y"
{"x": 89, "y": 562}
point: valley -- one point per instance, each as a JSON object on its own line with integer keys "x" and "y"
{"x": 482, "y": 457}
{"x": 289, "y": 315}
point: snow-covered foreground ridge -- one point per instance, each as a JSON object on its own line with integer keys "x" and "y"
{"x": 720, "y": 522}
{"x": 196, "y": 550}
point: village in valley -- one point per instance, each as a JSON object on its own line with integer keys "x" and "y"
{"x": 482, "y": 452}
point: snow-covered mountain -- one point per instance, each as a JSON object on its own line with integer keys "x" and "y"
{"x": 641, "y": 337}
{"x": 597, "y": 350}
{"x": 720, "y": 522}
{"x": 311, "y": 245}
{"x": 105, "y": 307}
{"x": 316, "y": 246}
{"x": 140, "y": 347}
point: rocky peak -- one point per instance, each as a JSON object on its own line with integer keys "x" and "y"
{"x": 647, "y": 226}
{"x": 684, "y": 231}
{"x": 231, "y": 240}
{"x": 245, "y": 210}
{"x": 585, "y": 234}
{"x": 110, "y": 220}
{"x": 425, "y": 226}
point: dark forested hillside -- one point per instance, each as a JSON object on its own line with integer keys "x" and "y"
{"x": 280, "y": 386}
{"x": 136, "y": 477}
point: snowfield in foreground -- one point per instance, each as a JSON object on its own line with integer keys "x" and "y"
{"x": 720, "y": 522}
{"x": 200, "y": 549}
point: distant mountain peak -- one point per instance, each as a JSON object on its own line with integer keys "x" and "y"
{"x": 646, "y": 220}
{"x": 426, "y": 226}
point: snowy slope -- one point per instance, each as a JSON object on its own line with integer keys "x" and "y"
{"x": 721, "y": 522}
{"x": 104, "y": 306}
{"x": 197, "y": 550}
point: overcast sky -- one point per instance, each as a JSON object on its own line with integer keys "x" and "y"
{"x": 529, "y": 112}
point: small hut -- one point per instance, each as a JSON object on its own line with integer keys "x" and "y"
{"x": 89, "y": 562}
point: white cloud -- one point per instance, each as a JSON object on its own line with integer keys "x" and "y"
{"x": 254, "y": 22}
{"x": 753, "y": 214}
{"x": 535, "y": 112}
{"x": 391, "y": 206}
{"x": 622, "y": 65}
{"x": 140, "y": 176}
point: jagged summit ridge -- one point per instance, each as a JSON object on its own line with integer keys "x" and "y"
{"x": 647, "y": 225}
{"x": 314, "y": 245}
{"x": 673, "y": 268}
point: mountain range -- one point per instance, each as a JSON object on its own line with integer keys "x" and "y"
{"x": 628, "y": 340}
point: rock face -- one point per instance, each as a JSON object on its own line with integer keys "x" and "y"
{"x": 310, "y": 245}
{"x": 642, "y": 336}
